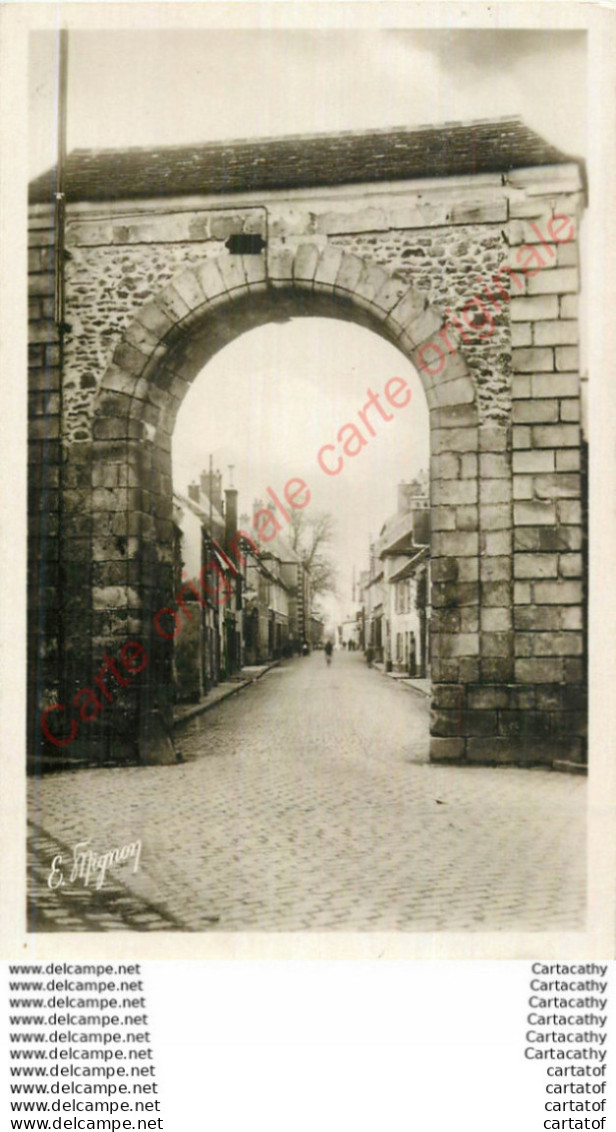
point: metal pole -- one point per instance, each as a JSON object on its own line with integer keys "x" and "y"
{"x": 60, "y": 325}
{"x": 60, "y": 174}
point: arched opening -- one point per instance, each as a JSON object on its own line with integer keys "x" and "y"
{"x": 333, "y": 417}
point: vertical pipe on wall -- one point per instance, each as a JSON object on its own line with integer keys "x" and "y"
{"x": 60, "y": 174}
{"x": 59, "y": 309}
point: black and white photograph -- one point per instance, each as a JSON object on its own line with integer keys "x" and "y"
{"x": 308, "y": 452}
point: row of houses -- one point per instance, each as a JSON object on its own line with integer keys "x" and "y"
{"x": 393, "y": 607}
{"x": 249, "y": 605}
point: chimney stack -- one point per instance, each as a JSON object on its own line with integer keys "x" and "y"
{"x": 406, "y": 494}
{"x": 212, "y": 487}
{"x": 194, "y": 492}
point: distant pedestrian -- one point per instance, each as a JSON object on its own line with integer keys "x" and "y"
{"x": 329, "y": 648}
{"x": 369, "y": 656}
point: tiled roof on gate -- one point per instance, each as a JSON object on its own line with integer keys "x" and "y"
{"x": 266, "y": 164}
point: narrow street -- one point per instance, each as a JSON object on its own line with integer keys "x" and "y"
{"x": 306, "y": 802}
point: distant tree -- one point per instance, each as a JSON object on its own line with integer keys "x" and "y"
{"x": 311, "y": 536}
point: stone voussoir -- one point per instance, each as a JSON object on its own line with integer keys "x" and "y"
{"x": 330, "y": 260}
{"x": 232, "y": 273}
{"x": 173, "y": 304}
{"x": 188, "y": 285}
{"x": 305, "y": 265}
{"x": 351, "y": 267}
{"x": 280, "y": 266}
{"x": 154, "y": 319}
{"x": 210, "y": 280}
{"x": 254, "y": 268}
{"x": 460, "y": 391}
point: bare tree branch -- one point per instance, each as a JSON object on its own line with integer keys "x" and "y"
{"x": 310, "y": 536}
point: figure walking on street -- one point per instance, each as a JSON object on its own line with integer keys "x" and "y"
{"x": 329, "y": 648}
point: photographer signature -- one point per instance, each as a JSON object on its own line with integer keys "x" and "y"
{"x": 88, "y": 866}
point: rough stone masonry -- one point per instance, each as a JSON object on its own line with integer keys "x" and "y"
{"x": 168, "y": 255}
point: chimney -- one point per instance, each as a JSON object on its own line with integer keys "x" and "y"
{"x": 194, "y": 492}
{"x": 230, "y": 516}
{"x": 406, "y": 494}
{"x": 212, "y": 489}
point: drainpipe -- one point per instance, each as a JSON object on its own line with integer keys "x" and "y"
{"x": 230, "y": 533}
{"x": 59, "y": 323}
{"x": 230, "y": 517}
{"x": 60, "y": 178}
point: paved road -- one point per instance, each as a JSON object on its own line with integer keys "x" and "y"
{"x": 80, "y": 907}
{"x": 306, "y": 803}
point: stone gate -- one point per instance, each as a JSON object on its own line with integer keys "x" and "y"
{"x": 459, "y": 245}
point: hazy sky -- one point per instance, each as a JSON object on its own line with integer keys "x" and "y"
{"x": 269, "y": 400}
{"x": 161, "y": 88}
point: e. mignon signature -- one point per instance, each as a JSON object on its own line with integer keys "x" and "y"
{"x": 88, "y": 866}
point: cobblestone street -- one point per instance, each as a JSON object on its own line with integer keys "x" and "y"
{"x": 306, "y": 802}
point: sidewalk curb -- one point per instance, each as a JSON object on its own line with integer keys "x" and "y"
{"x": 564, "y": 766}
{"x": 416, "y": 691}
{"x": 560, "y": 766}
{"x": 239, "y": 686}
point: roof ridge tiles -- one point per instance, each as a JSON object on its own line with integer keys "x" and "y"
{"x": 267, "y": 139}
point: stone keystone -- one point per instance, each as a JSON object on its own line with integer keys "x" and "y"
{"x": 280, "y": 266}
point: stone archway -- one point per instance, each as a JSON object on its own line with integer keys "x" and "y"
{"x": 413, "y": 236}
{"x": 165, "y": 346}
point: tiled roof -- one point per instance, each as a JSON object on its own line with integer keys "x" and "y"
{"x": 201, "y": 510}
{"x": 279, "y": 548}
{"x": 266, "y": 164}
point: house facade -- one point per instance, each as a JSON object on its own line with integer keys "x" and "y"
{"x": 242, "y": 604}
{"x": 278, "y": 595}
{"x": 210, "y": 646}
{"x": 396, "y": 587}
